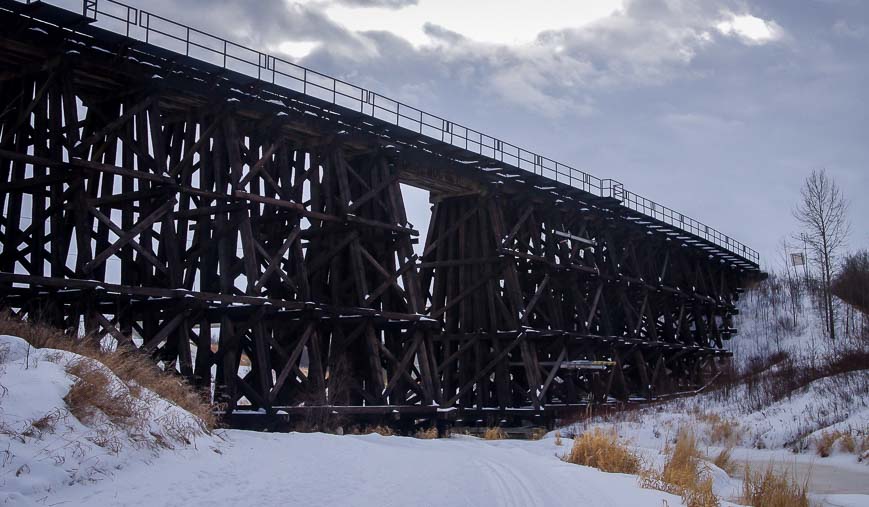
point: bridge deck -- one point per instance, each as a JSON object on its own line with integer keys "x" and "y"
{"x": 109, "y": 24}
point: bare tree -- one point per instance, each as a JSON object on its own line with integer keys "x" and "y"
{"x": 792, "y": 279}
{"x": 822, "y": 211}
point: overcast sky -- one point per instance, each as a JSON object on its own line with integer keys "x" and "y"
{"x": 718, "y": 108}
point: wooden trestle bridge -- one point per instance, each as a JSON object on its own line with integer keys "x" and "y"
{"x": 239, "y": 218}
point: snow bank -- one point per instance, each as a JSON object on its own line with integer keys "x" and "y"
{"x": 44, "y": 448}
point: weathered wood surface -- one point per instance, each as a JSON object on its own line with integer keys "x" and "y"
{"x": 270, "y": 253}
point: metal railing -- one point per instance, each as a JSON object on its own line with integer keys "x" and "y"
{"x": 168, "y": 34}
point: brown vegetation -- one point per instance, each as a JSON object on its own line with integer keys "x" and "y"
{"x": 93, "y": 393}
{"x": 44, "y": 424}
{"x": 722, "y": 460}
{"x": 771, "y": 489}
{"x": 495, "y": 433}
{"x": 852, "y": 282}
{"x": 683, "y": 474}
{"x": 774, "y": 384}
{"x": 721, "y": 430}
{"x": 430, "y": 433}
{"x": 848, "y": 442}
{"x": 601, "y": 449}
{"x": 135, "y": 370}
{"x": 380, "y": 429}
{"x": 537, "y": 433}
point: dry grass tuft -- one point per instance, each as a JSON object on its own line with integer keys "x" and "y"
{"x": 683, "y": 474}
{"x": 135, "y": 370}
{"x": 427, "y": 433}
{"x": 724, "y": 431}
{"x": 601, "y": 449}
{"x": 385, "y": 431}
{"x": 537, "y": 433}
{"x": 848, "y": 443}
{"x": 93, "y": 392}
{"x": 770, "y": 489}
{"x": 721, "y": 430}
{"x": 45, "y": 424}
{"x": 826, "y": 442}
{"x": 495, "y": 433}
{"x": 723, "y": 461}
{"x": 558, "y": 439}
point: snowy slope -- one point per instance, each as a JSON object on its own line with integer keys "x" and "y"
{"x": 44, "y": 448}
{"x": 762, "y": 428}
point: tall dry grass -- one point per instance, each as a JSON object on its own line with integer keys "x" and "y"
{"x": 723, "y": 461}
{"x": 603, "y": 450}
{"x": 134, "y": 369}
{"x": 430, "y": 433}
{"x": 93, "y": 392}
{"x": 771, "y": 489}
{"x": 384, "y": 431}
{"x": 847, "y": 441}
{"x": 494, "y": 433}
{"x": 684, "y": 474}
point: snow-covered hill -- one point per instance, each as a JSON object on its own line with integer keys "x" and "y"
{"x": 798, "y": 399}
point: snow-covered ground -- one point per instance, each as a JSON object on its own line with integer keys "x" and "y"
{"x": 763, "y": 430}
{"x": 59, "y": 460}
{"x": 322, "y": 469}
{"x": 45, "y": 449}
{"x": 49, "y": 457}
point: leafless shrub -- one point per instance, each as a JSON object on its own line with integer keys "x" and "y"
{"x": 45, "y": 424}
{"x": 107, "y": 438}
{"x": 852, "y": 282}
{"x": 784, "y": 378}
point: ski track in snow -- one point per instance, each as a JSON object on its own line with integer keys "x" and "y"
{"x": 321, "y": 469}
